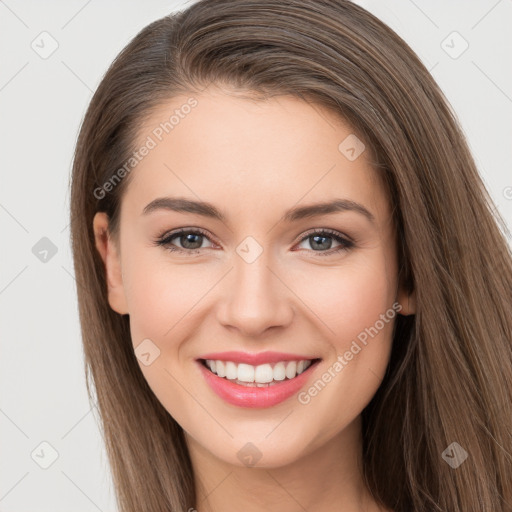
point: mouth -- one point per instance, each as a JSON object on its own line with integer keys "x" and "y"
{"x": 261, "y": 376}
{"x": 265, "y": 385}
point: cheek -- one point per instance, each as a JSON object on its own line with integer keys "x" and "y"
{"x": 350, "y": 297}
{"x": 162, "y": 296}
{"x": 356, "y": 303}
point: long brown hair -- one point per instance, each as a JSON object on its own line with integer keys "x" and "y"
{"x": 450, "y": 374}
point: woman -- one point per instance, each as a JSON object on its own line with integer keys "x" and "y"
{"x": 261, "y": 371}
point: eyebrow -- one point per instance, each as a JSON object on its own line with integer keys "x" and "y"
{"x": 206, "y": 209}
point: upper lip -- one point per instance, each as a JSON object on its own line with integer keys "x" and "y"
{"x": 255, "y": 359}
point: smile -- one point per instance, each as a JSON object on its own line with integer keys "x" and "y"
{"x": 263, "y": 375}
{"x": 260, "y": 386}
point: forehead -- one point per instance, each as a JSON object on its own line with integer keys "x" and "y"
{"x": 247, "y": 154}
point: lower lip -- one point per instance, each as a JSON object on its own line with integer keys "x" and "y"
{"x": 254, "y": 397}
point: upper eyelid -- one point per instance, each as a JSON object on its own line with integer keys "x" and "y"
{"x": 172, "y": 234}
{"x": 329, "y": 231}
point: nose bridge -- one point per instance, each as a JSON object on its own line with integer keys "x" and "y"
{"x": 253, "y": 278}
{"x": 256, "y": 298}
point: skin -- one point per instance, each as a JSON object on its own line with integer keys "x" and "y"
{"x": 254, "y": 160}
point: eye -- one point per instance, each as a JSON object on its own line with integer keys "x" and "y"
{"x": 320, "y": 239}
{"x": 190, "y": 239}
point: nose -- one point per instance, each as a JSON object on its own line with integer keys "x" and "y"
{"x": 255, "y": 298}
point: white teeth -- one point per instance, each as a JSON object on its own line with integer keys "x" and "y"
{"x": 260, "y": 375}
{"x": 291, "y": 369}
{"x": 263, "y": 374}
{"x": 220, "y": 368}
{"x": 245, "y": 372}
{"x": 231, "y": 370}
{"x": 279, "y": 371}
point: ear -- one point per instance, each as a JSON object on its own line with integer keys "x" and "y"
{"x": 109, "y": 254}
{"x": 407, "y": 301}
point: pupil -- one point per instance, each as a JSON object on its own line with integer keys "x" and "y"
{"x": 315, "y": 237}
{"x": 188, "y": 241}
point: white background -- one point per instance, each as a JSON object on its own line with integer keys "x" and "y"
{"x": 42, "y": 102}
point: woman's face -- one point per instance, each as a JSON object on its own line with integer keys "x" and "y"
{"x": 255, "y": 278}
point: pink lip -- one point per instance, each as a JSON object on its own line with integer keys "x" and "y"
{"x": 254, "y": 397}
{"x": 255, "y": 359}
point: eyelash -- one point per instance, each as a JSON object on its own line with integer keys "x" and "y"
{"x": 164, "y": 240}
